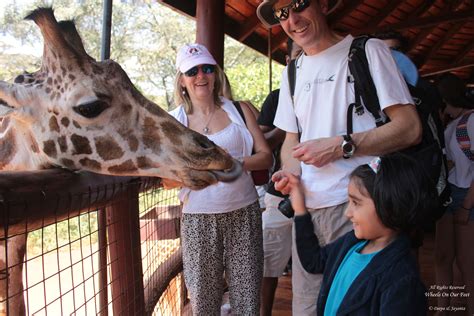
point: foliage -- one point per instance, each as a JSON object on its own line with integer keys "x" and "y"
{"x": 145, "y": 38}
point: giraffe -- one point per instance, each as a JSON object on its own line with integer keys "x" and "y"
{"x": 80, "y": 114}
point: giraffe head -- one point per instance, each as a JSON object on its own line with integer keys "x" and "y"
{"x": 82, "y": 114}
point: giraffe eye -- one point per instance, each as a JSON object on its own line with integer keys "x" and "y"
{"x": 91, "y": 109}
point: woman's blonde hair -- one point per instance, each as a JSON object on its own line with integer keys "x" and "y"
{"x": 226, "y": 88}
{"x": 181, "y": 95}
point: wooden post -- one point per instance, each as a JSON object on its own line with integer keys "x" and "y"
{"x": 210, "y": 27}
{"x": 125, "y": 254}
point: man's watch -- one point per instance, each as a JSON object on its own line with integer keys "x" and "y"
{"x": 348, "y": 147}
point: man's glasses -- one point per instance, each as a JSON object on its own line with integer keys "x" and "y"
{"x": 283, "y": 13}
{"x": 206, "y": 69}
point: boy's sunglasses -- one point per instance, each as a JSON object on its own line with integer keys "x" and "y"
{"x": 283, "y": 13}
{"x": 206, "y": 69}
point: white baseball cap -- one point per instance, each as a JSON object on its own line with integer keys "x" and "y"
{"x": 191, "y": 55}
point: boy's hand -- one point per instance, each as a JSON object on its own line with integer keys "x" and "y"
{"x": 288, "y": 183}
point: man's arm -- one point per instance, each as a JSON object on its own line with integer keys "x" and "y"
{"x": 403, "y": 130}
{"x": 288, "y": 162}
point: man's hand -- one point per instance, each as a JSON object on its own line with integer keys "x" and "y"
{"x": 319, "y": 152}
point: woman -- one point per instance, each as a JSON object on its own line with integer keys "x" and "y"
{"x": 221, "y": 229}
{"x": 455, "y": 230}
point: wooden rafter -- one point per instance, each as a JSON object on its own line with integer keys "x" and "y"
{"x": 442, "y": 69}
{"x": 386, "y": 11}
{"x": 248, "y": 27}
{"x": 422, "y": 22}
{"x": 439, "y": 44}
{"x": 346, "y": 10}
{"x": 279, "y": 40}
{"x": 465, "y": 51}
{"x": 424, "y": 32}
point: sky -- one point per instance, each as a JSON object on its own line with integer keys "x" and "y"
{"x": 14, "y": 44}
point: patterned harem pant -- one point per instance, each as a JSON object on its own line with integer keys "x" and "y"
{"x": 230, "y": 242}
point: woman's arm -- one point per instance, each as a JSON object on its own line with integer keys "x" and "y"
{"x": 262, "y": 156}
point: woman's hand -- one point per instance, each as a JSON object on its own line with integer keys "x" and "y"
{"x": 291, "y": 183}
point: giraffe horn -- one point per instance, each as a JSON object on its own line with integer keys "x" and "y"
{"x": 71, "y": 35}
{"x": 55, "y": 43}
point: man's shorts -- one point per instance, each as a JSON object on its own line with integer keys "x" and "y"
{"x": 276, "y": 238}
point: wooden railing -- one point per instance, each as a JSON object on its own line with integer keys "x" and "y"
{"x": 34, "y": 200}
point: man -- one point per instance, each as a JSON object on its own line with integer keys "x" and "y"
{"x": 322, "y": 94}
{"x": 276, "y": 227}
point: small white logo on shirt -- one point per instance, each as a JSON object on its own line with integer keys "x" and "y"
{"x": 324, "y": 80}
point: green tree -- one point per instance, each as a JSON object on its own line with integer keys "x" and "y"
{"x": 145, "y": 39}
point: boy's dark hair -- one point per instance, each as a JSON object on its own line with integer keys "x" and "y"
{"x": 394, "y": 35}
{"x": 403, "y": 194}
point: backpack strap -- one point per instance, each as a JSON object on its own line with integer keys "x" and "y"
{"x": 239, "y": 109}
{"x": 292, "y": 77}
{"x": 463, "y": 137}
{"x": 364, "y": 87}
{"x": 291, "y": 71}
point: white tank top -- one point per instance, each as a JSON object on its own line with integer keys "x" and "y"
{"x": 222, "y": 197}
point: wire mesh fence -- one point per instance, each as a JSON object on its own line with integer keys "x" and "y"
{"x": 112, "y": 248}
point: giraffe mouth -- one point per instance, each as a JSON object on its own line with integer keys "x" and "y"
{"x": 229, "y": 175}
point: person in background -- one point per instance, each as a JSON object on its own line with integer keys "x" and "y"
{"x": 276, "y": 226}
{"x": 325, "y": 154}
{"x": 369, "y": 270}
{"x": 455, "y": 230}
{"x": 221, "y": 228}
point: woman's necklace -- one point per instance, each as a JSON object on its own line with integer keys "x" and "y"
{"x": 206, "y": 129}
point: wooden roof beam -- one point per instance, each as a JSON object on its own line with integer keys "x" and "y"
{"x": 447, "y": 68}
{"x": 424, "y": 32}
{"x": 421, "y": 22}
{"x": 347, "y": 8}
{"x": 386, "y": 11}
{"x": 279, "y": 40}
{"x": 248, "y": 27}
{"x": 181, "y": 6}
{"x": 466, "y": 50}
{"x": 439, "y": 43}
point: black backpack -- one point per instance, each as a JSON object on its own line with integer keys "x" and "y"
{"x": 430, "y": 151}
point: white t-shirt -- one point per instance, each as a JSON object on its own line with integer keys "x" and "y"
{"x": 462, "y": 174}
{"x": 322, "y": 96}
{"x": 222, "y": 197}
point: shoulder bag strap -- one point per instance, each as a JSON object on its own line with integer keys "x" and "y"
{"x": 291, "y": 69}
{"x": 239, "y": 109}
{"x": 463, "y": 137}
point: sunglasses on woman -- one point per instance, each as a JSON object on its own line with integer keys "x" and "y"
{"x": 206, "y": 69}
{"x": 283, "y": 13}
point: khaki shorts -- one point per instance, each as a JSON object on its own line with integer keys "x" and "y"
{"x": 329, "y": 223}
{"x": 276, "y": 238}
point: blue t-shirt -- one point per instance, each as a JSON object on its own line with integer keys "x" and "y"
{"x": 353, "y": 263}
{"x": 406, "y": 66}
